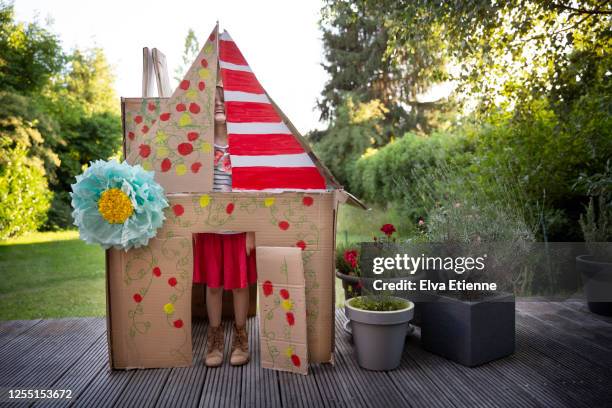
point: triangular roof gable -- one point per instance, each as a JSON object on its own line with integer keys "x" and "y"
{"x": 267, "y": 152}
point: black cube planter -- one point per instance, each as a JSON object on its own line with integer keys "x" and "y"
{"x": 469, "y": 332}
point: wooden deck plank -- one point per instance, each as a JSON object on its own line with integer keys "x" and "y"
{"x": 562, "y": 360}
{"x": 13, "y": 328}
{"x": 46, "y": 352}
{"x": 105, "y": 388}
{"x": 374, "y": 388}
{"x": 53, "y": 362}
{"x": 588, "y": 350}
{"x": 260, "y": 388}
{"x": 220, "y": 388}
{"x": 547, "y": 312}
{"x": 472, "y": 386}
{"x": 582, "y": 308}
{"x": 554, "y": 380}
{"x": 80, "y": 374}
{"x": 184, "y": 384}
{"x": 562, "y": 354}
{"x": 418, "y": 390}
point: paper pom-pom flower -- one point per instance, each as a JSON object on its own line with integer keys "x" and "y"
{"x": 117, "y": 205}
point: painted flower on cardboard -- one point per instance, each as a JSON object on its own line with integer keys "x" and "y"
{"x": 117, "y": 205}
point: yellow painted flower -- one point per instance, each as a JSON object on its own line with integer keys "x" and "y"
{"x": 269, "y": 202}
{"x": 181, "y": 169}
{"x": 208, "y": 48}
{"x": 289, "y": 351}
{"x": 206, "y": 147}
{"x": 204, "y": 200}
{"x": 287, "y": 304}
{"x": 185, "y": 120}
{"x": 204, "y": 73}
{"x": 146, "y": 164}
{"x": 162, "y": 152}
{"x": 169, "y": 308}
{"x": 191, "y": 94}
{"x": 160, "y": 137}
{"x": 115, "y": 206}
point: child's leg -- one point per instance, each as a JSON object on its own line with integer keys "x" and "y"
{"x": 241, "y": 305}
{"x": 214, "y": 302}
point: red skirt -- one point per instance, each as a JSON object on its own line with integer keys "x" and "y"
{"x": 221, "y": 260}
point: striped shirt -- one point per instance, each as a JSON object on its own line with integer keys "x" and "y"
{"x": 222, "y": 180}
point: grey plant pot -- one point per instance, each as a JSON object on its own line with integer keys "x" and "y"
{"x": 597, "y": 282}
{"x": 470, "y": 333}
{"x": 379, "y": 336}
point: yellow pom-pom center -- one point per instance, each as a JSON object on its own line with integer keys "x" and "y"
{"x": 115, "y": 206}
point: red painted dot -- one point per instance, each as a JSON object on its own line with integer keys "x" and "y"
{"x": 144, "y": 150}
{"x": 230, "y": 208}
{"x": 166, "y": 164}
{"x": 184, "y": 84}
{"x": 191, "y": 136}
{"x": 267, "y": 288}
{"x": 201, "y": 85}
{"x": 194, "y": 108}
{"x": 181, "y": 107}
{"x": 151, "y": 106}
{"x": 164, "y": 116}
{"x": 204, "y": 63}
{"x": 307, "y": 201}
{"x": 178, "y": 210}
{"x": 290, "y": 318}
{"x": 212, "y": 37}
{"x": 157, "y": 271}
{"x": 138, "y": 119}
{"x": 137, "y": 298}
{"x": 131, "y": 135}
{"x": 195, "y": 167}
{"x": 185, "y": 148}
{"x": 172, "y": 281}
{"x": 284, "y": 225}
{"x": 296, "y": 360}
{"x": 178, "y": 323}
{"x": 145, "y": 129}
{"x": 284, "y": 293}
{"x": 301, "y": 244}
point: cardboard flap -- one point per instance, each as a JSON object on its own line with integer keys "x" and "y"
{"x": 174, "y": 136}
{"x": 282, "y": 309}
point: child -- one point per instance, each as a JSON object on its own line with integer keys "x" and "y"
{"x": 225, "y": 261}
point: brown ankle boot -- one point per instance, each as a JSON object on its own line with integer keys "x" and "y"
{"x": 214, "y": 347}
{"x": 240, "y": 346}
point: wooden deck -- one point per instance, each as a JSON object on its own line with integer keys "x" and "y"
{"x": 563, "y": 359}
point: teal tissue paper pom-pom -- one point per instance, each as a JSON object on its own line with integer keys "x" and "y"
{"x": 117, "y": 205}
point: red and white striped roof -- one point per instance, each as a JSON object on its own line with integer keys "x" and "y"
{"x": 265, "y": 154}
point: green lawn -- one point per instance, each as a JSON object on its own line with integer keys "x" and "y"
{"x": 54, "y": 274}
{"x": 51, "y": 274}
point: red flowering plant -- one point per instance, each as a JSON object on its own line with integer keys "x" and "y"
{"x": 347, "y": 265}
{"x": 388, "y": 230}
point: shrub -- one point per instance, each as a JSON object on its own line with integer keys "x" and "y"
{"x": 24, "y": 193}
{"x": 388, "y": 175}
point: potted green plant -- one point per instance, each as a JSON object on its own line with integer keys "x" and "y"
{"x": 596, "y": 266}
{"x": 379, "y": 324}
{"x": 474, "y": 327}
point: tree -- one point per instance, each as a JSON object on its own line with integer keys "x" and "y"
{"x": 190, "y": 52}
{"x": 357, "y": 38}
{"x": 29, "y": 54}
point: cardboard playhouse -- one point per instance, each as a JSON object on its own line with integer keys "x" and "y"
{"x": 280, "y": 193}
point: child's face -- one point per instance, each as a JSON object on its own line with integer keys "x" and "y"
{"x": 219, "y": 106}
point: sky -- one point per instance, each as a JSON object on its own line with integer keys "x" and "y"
{"x": 280, "y": 40}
